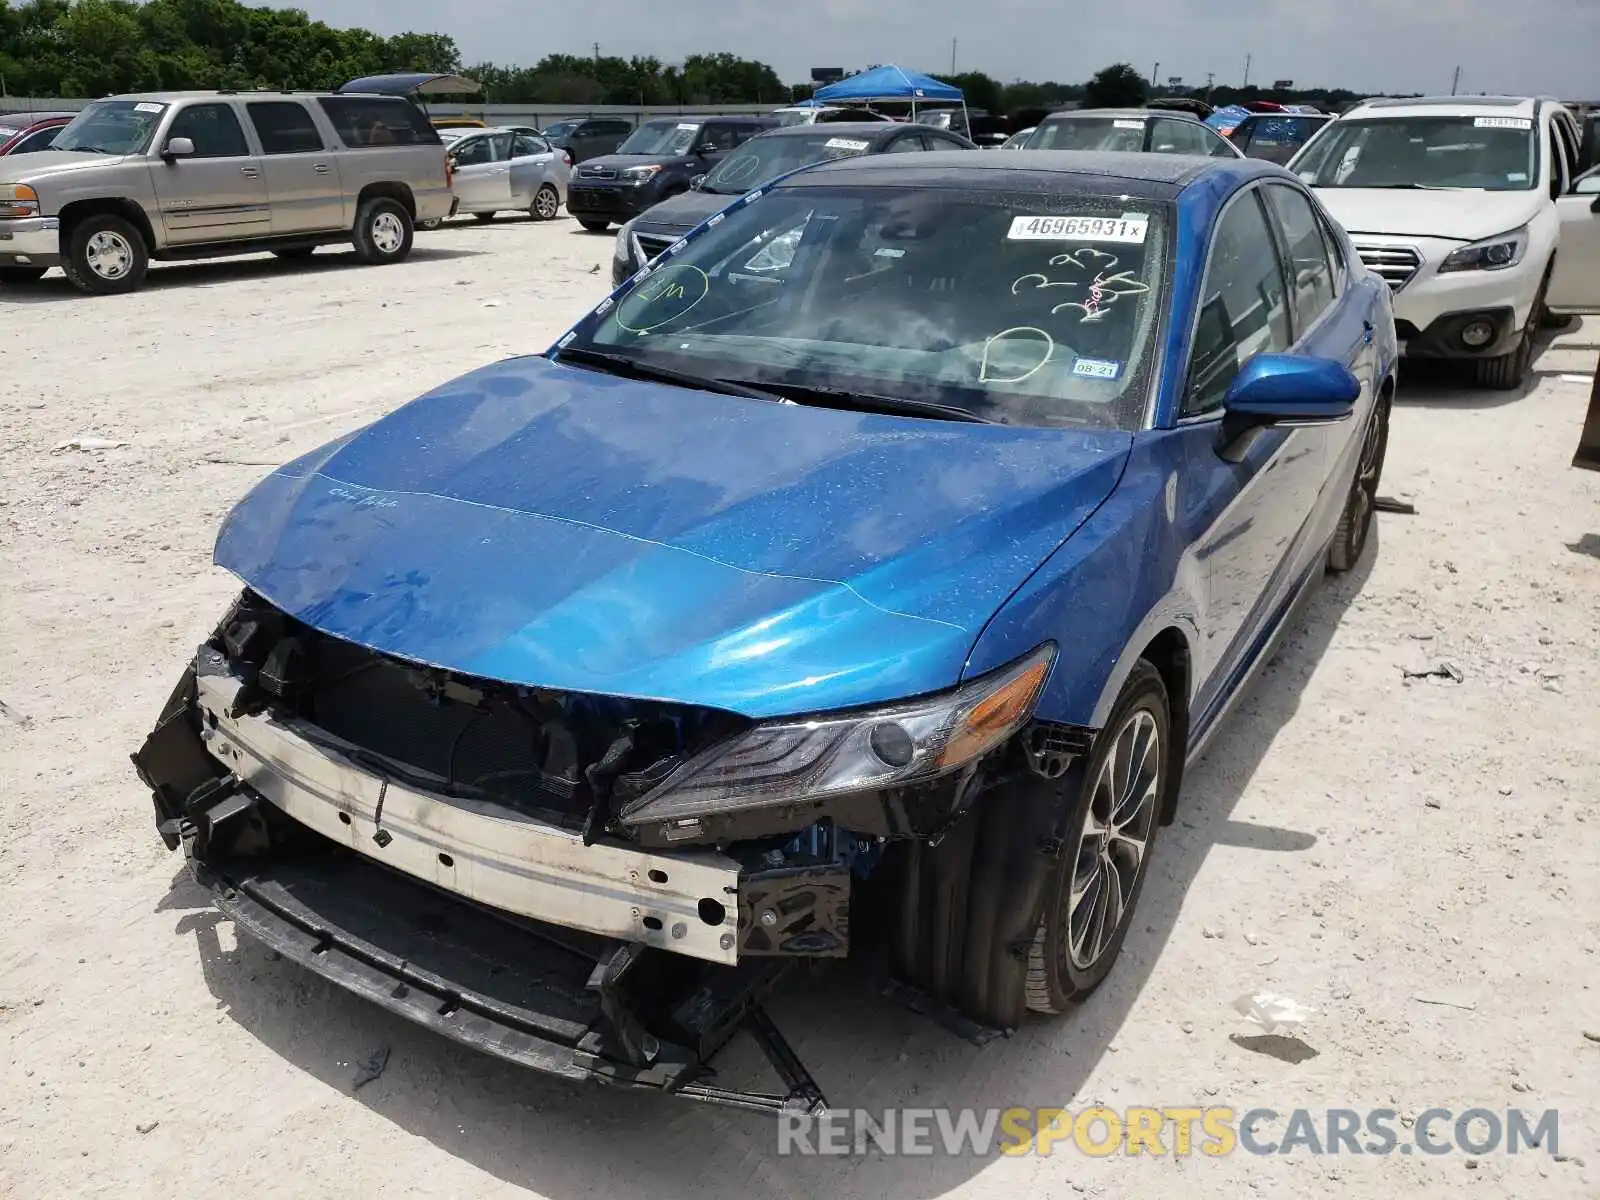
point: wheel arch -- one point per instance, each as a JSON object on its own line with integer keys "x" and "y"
{"x": 75, "y": 212}
{"x": 389, "y": 190}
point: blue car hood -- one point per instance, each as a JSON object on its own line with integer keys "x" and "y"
{"x": 555, "y": 527}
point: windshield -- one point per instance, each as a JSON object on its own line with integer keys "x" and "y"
{"x": 764, "y": 158}
{"x": 1275, "y": 138}
{"x": 796, "y": 116}
{"x": 112, "y": 127}
{"x": 1033, "y": 309}
{"x": 661, "y": 137}
{"x": 1089, "y": 133}
{"x": 559, "y": 129}
{"x": 1494, "y": 153}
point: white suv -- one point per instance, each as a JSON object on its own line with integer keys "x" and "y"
{"x": 1471, "y": 208}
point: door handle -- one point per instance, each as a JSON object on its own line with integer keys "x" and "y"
{"x": 248, "y": 172}
{"x": 321, "y": 168}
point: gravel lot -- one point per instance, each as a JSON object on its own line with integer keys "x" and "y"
{"x": 1368, "y": 845}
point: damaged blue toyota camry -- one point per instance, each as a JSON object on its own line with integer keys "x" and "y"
{"x": 857, "y": 579}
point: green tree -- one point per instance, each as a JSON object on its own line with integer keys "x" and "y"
{"x": 1116, "y": 86}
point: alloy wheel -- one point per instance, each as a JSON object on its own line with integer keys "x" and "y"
{"x": 546, "y": 203}
{"x": 1116, "y": 832}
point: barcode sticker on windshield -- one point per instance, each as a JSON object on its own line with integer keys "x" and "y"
{"x": 845, "y": 144}
{"x": 1130, "y": 227}
{"x": 1502, "y": 123}
{"x": 1127, "y": 124}
{"x": 146, "y": 106}
{"x": 691, "y": 125}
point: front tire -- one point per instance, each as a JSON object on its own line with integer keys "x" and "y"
{"x": 594, "y": 226}
{"x": 1089, "y": 903}
{"x": 1350, "y": 538}
{"x": 383, "y": 232}
{"x": 106, "y": 256}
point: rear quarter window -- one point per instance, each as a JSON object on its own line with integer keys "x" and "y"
{"x": 363, "y": 121}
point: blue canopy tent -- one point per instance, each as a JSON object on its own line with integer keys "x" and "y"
{"x": 892, "y": 83}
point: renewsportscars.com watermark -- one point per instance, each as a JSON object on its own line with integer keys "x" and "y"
{"x": 1177, "y": 1131}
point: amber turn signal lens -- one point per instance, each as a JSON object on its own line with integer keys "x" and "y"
{"x": 995, "y": 717}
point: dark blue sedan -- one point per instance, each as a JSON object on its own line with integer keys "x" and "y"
{"x": 885, "y": 549}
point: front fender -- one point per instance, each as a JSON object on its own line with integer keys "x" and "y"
{"x": 1122, "y": 579}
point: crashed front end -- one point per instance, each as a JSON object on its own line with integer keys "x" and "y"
{"x": 595, "y": 887}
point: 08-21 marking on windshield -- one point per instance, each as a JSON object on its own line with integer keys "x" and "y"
{"x": 1131, "y": 228}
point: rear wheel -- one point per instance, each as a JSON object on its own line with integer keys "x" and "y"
{"x": 106, "y": 255}
{"x": 546, "y": 203}
{"x": 383, "y": 231}
{"x": 9, "y": 275}
{"x": 1350, "y": 538}
{"x": 594, "y": 226}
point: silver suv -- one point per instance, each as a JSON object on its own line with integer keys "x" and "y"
{"x": 179, "y": 175}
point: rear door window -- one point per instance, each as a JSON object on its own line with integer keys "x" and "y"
{"x": 911, "y": 141}
{"x": 363, "y": 121}
{"x": 524, "y": 145}
{"x": 284, "y": 127}
{"x": 1307, "y": 254}
{"x": 214, "y": 130}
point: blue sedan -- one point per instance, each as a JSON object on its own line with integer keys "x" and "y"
{"x": 884, "y": 549}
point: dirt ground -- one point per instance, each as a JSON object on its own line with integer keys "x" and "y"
{"x": 1417, "y": 860}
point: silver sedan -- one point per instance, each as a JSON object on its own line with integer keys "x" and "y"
{"x": 506, "y": 170}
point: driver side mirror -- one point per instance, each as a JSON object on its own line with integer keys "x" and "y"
{"x": 178, "y": 147}
{"x": 1285, "y": 391}
{"x": 697, "y": 182}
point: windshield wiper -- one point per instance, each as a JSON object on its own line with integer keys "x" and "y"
{"x": 621, "y": 364}
{"x": 830, "y": 397}
{"x": 1414, "y": 187}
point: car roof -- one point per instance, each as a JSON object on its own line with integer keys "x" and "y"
{"x": 698, "y": 118}
{"x": 840, "y": 128}
{"x": 255, "y": 94}
{"x": 1432, "y": 106}
{"x": 1138, "y": 114}
{"x": 29, "y": 120}
{"x": 1153, "y": 176}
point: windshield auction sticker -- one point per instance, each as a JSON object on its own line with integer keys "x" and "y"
{"x": 659, "y": 301}
{"x": 1502, "y": 123}
{"x": 1130, "y": 227}
{"x": 845, "y": 144}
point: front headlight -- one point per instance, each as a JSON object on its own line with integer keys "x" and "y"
{"x": 1492, "y": 254}
{"x": 639, "y": 174}
{"x": 807, "y": 758}
{"x": 18, "y": 200}
{"x": 623, "y": 250}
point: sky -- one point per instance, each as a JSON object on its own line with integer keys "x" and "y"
{"x": 1519, "y": 46}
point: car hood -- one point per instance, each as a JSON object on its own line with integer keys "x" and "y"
{"x": 1457, "y": 214}
{"x": 683, "y": 211}
{"x": 621, "y": 162}
{"x": 554, "y": 527}
{"x": 27, "y": 167}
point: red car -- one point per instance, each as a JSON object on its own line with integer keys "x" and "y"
{"x": 22, "y": 133}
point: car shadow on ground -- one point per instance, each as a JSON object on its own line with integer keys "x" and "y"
{"x": 565, "y": 1141}
{"x": 1444, "y": 383}
{"x": 54, "y": 287}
